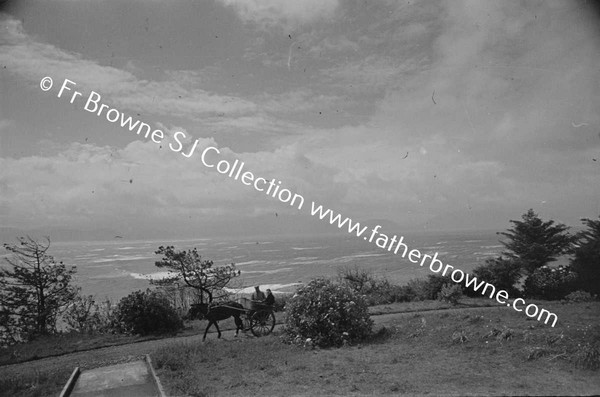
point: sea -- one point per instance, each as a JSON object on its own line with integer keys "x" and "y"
{"x": 113, "y": 269}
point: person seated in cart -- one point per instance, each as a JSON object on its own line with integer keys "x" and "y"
{"x": 256, "y": 301}
{"x": 258, "y": 297}
{"x": 270, "y": 299}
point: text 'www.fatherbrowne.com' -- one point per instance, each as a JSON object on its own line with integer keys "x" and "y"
{"x": 236, "y": 170}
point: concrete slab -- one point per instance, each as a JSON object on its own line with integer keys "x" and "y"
{"x": 133, "y": 379}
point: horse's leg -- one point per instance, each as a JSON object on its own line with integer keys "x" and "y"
{"x": 218, "y": 330}
{"x": 238, "y": 324}
{"x": 206, "y": 330}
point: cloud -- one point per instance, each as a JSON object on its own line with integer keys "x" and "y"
{"x": 283, "y": 13}
{"x": 145, "y": 183}
{"x": 33, "y": 60}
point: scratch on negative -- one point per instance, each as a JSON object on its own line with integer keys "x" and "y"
{"x": 469, "y": 119}
{"x": 290, "y": 55}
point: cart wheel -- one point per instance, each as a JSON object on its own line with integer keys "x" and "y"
{"x": 262, "y": 323}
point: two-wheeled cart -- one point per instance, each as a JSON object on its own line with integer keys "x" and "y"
{"x": 259, "y": 318}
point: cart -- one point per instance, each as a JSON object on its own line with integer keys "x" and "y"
{"x": 259, "y": 318}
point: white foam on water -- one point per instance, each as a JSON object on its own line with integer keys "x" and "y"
{"x": 249, "y": 263}
{"x": 117, "y": 258}
{"x": 283, "y": 269}
{"x": 263, "y": 287}
{"x": 153, "y": 276}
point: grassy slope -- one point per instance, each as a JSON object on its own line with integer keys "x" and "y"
{"x": 504, "y": 353}
{"x": 57, "y": 345}
{"x": 415, "y": 355}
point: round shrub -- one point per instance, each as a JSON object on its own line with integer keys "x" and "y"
{"x": 550, "y": 282}
{"x": 147, "y": 312}
{"x": 327, "y": 314}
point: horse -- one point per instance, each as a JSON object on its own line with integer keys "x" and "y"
{"x": 217, "y": 313}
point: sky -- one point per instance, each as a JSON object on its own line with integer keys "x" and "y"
{"x": 423, "y": 115}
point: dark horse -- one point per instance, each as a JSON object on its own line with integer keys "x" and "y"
{"x": 218, "y": 312}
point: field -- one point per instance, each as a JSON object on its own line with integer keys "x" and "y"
{"x": 461, "y": 351}
{"x": 486, "y": 351}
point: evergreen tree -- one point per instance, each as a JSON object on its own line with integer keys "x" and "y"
{"x": 33, "y": 291}
{"x": 586, "y": 261}
{"x": 534, "y": 243}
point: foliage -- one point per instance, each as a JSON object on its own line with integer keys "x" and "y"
{"x": 360, "y": 280}
{"x": 579, "y": 296}
{"x": 550, "y": 282}
{"x": 429, "y": 288}
{"x": 281, "y": 300}
{"x": 587, "y": 356}
{"x": 147, "y": 312}
{"x": 328, "y": 314}
{"x": 377, "y": 291}
{"x": 534, "y": 243}
{"x": 83, "y": 314}
{"x": 188, "y": 267}
{"x": 450, "y": 293}
{"x": 586, "y": 260}
{"x": 502, "y": 273}
{"x": 33, "y": 292}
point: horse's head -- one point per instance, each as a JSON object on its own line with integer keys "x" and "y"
{"x": 197, "y": 311}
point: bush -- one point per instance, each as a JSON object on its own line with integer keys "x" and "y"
{"x": 386, "y": 292}
{"x": 83, "y": 315}
{"x": 281, "y": 300}
{"x": 327, "y": 314}
{"x": 579, "y": 296}
{"x": 450, "y": 293}
{"x": 147, "y": 313}
{"x": 429, "y": 288}
{"x": 377, "y": 291}
{"x": 550, "y": 282}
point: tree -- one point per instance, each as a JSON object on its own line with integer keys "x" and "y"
{"x": 35, "y": 290}
{"x": 586, "y": 260}
{"x": 188, "y": 266}
{"x": 502, "y": 273}
{"x": 534, "y": 243}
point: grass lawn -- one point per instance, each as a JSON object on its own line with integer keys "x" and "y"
{"x": 493, "y": 351}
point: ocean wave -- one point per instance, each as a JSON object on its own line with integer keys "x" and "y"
{"x": 152, "y": 276}
{"x": 364, "y": 255}
{"x": 250, "y": 263}
{"x": 118, "y": 258}
{"x": 305, "y": 262}
{"x": 282, "y": 269}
